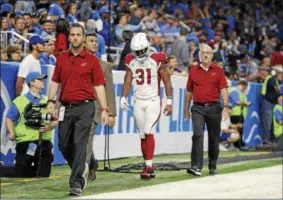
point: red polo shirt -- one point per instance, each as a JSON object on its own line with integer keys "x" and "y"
{"x": 77, "y": 75}
{"x": 206, "y": 85}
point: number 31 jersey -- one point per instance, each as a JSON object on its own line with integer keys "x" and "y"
{"x": 146, "y": 79}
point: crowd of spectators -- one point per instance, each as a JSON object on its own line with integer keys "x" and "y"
{"x": 245, "y": 35}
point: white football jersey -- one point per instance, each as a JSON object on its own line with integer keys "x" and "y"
{"x": 146, "y": 79}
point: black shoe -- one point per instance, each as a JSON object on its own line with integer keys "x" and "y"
{"x": 194, "y": 171}
{"x": 75, "y": 192}
{"x": 92, "y": 175}
{"x": 212, "y": 172}
{"x": 245, "y": 148}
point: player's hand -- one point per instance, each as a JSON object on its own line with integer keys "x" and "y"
{"x": 124, "y": 103}
{"x": 111, "y": 121}
{"x": 104, "y": 117}
{"x": 187, "y": 114}
{"x": 168, "y": 110}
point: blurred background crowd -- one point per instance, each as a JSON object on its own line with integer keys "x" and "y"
{"x": 245, "y": 35}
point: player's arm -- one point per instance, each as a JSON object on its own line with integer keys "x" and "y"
{"x": 166, "y": 78}
{"x": 126, "y": 89}
{"x": 127, "y": 83}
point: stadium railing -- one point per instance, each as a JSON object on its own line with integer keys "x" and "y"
{"x": 7, "y": 39}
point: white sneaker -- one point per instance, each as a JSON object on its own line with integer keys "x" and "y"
{"x": 222, "y": 147}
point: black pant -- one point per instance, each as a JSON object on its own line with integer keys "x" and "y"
{"x": 73, "y": 139}
{"x": 238, "y": 120}
{"x": 23, "y": 166}
{"x": 93, "y": 163}
{"x": 211, "y": 116}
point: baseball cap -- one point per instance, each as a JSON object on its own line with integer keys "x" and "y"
{"x": 103, "y": 9}
{"x": 6, "y": 7}
{"x": 35, "y": 75}
{"x": 36, "y": 39}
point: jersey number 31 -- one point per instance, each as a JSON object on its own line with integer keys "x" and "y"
{"x": 142, "y": 75}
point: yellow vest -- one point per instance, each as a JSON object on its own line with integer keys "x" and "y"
{"x": 277, "y": 128}
{"x": 239, "y": 110}
{"x": 22, "y": 132}
{"x": 264, "y": 85}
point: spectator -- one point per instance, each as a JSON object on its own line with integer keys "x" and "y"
{"x": 47, "y": 57}
{"x": 180, "y": 49}
{"x": 150, "y": 26}
{"x": 4, "y": 24}
{"x": 239, "y": 104}
{"x": 157, "y": 43}
{"x": 20, "y": 29}
{"x": 6, "y": 7}
{"x": 169, "y": 31}
{"x": 123, "y": 25}
{"x": 25, "y": 6}
{"x": 173, "y": 67}
{"x": 56, "y": 11}
{"x": 229, "y": 135}
{"x": 104, "y": 13}
{"x": 72, "y": 16}
{"x": 193, "y": 50}
{"x": 137, "y": 17}
{"x": 47, "y": 29}
{"x": 14, "y": 53}
{"x": 4, "y": 56}
{"x": 85, "y": 10}
{"x": 277, "y": 57}
{"x": 270, "y": 91}
{"x": 127, "y": 36}
{"x": 28, "y": 24}
{"x": 62, "y": 31}
{"x": 278, "y": 121}
{"x": 29, "y": 64}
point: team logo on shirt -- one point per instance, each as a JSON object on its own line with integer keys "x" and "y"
{"x": 213, "y": 73}
{"x": 83, "y": 64}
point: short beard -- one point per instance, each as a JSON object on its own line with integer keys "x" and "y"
{"x": 77, "y": 47}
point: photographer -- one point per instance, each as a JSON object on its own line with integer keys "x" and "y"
{"x": 25, "y": 120}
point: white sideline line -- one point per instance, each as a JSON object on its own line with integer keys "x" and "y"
{"x": 257, "y": 183}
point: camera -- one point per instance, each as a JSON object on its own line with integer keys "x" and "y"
{"x": 34, "y": 117}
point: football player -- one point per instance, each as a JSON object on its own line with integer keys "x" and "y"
{"x": 145, "y": 69}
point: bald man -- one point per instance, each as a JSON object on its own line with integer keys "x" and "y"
{"x": 205, "y": 83}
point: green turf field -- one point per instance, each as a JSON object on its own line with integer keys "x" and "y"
{"x": 57, "y": 185}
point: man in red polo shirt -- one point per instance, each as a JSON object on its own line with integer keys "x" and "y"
{"x": 205, "y": 83}
{"x": 78, "y": 73}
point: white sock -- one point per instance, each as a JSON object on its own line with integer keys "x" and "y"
{"x": 148, "y": 163}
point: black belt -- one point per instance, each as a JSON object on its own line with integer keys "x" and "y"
{"x": 208, "y": 104}
{"x": 76, "y": 103}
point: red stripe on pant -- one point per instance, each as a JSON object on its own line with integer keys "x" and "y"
{"x": 148, "y": 144}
